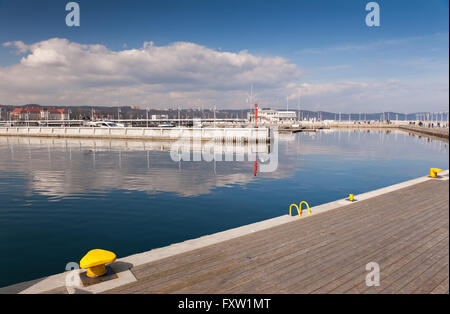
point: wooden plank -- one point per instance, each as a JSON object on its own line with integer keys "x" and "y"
{"x": 354, "y": 268}
{"x": 356, "y": 282}
{"x": 297, "y": 272}
{"x": 397, "y": 264}
{"x": 60, "y": 290}
{"x": 397, "y": 280}
{"x": 289, "y": 273}
{"x": 439, "y": 272}
{"x": 442, "y": 287}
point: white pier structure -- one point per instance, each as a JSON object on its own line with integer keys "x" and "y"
{"x": 229, "y": 135}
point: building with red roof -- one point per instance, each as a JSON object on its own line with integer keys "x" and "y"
{"x": 26, "y": 113}
{"x": 35, "y": 113}
{"x": 55, "y": 114}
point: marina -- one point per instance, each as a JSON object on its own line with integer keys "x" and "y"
{"x": 224, "y": 155}
{"x": 143, "y": 200}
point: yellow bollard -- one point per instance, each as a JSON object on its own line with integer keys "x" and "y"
{"x": 95, "y": 262}
{"x": 434, "y": 172}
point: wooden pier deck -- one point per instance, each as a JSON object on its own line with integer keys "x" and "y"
{"x": 403, "y": 228}
{"x": 406, "y": 232}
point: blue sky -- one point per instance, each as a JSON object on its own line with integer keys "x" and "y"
{"x": 340, "y": 63}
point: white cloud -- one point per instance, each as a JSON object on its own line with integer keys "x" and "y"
{"x": 374, "y": 44}
{"x": 19, "y": 45}
{"x": 60, "y": 72}
{"x": 369, "y": 95}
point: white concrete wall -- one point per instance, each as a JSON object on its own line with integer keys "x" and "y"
{"x": 220, "y": 134}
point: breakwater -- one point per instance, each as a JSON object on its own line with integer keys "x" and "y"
{"x": 231, "y": 135}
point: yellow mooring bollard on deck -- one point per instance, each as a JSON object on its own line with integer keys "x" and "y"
{"x": 434, "y": 172}
{"x": 95, "y": 262}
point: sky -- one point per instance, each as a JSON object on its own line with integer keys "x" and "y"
{"x": 204, "y": 53}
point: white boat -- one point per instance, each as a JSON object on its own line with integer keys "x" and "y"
{"x": 104, "y": 124}
{"x": 166, "y": 125}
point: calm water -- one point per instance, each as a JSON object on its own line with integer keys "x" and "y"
{"x": 60, "y": 198}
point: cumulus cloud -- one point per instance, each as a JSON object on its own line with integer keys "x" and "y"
{"x": 74, "y": 73}
{"x": 60, "y": 72}
{"x": 18, "y": 45}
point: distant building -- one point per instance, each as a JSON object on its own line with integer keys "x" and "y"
{"x": 27, "y": 113}
{"x": 55, "y": 114}
{"x": 34, "y": 113}
{"x": 272, "y": 116}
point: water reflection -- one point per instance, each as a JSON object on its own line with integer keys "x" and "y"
{"x": 70, "y": 167}
{"x": 64, "y": 167}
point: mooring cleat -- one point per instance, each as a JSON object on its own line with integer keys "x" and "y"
{"x": 434, "y": 172}
{"x": 95, "y": 262}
